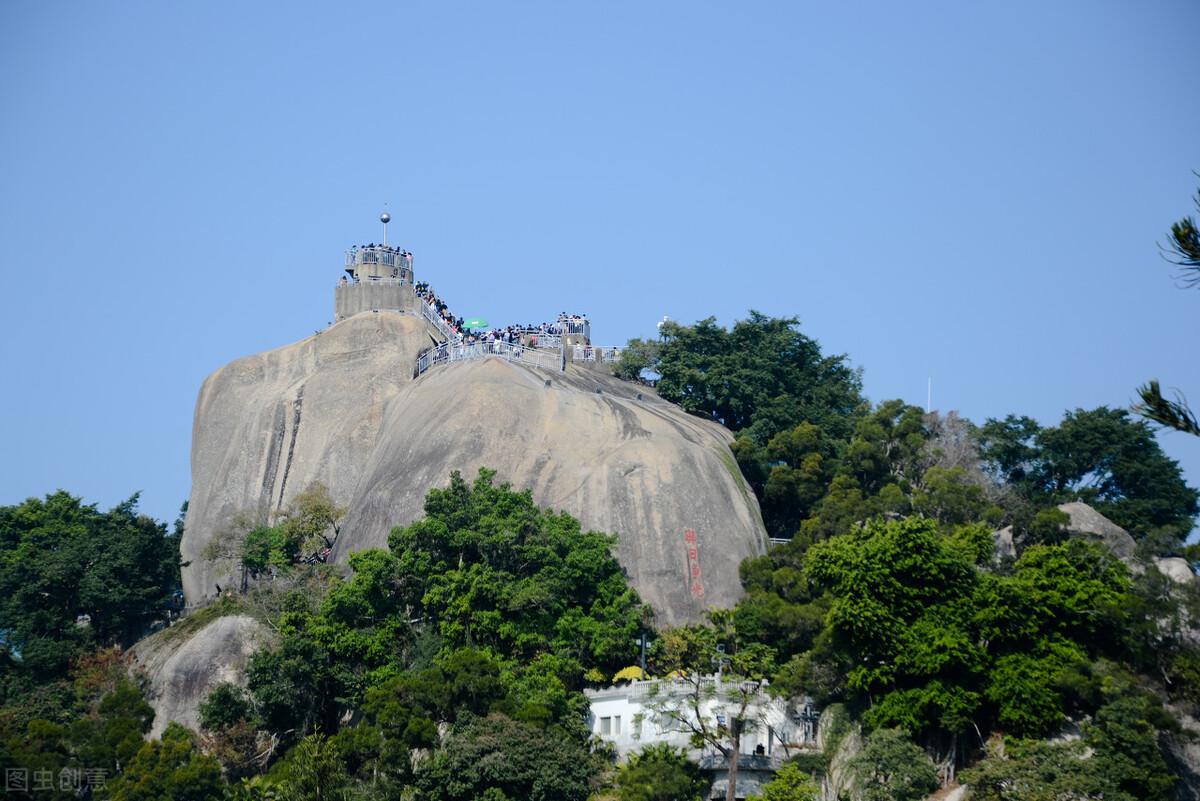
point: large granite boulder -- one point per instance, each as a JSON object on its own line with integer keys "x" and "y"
{"x": 184, "y": 662}
{"x": 342, "y": 408}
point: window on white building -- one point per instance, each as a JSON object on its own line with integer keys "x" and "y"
{"x": 606, "y": 725}
{"x": 616, "y": 724}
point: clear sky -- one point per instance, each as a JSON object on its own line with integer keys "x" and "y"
{"x": 965, "y": 191}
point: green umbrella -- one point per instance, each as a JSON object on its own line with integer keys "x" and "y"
{"x": 476, "y": 323}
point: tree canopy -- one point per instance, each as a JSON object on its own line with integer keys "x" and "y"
{"x": 1102, "y": 457}
{"x": 73, "y": 578}
{"x": 762, "y": 376}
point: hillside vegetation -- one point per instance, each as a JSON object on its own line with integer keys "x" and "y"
{"x": 1031, "y": 664}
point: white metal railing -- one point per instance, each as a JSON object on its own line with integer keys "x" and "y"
{"x": 578, "y": 326}
{"x": 544, "y": 340}
{"x": 379, "y": 254}
{"x": 377, "y": 279}
{"x": 430, "y": 314}
{"x": 513, "y": 352}
{"x": 593, "y": 353}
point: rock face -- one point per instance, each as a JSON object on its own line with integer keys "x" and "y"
{"x": 342, "y": 408}
{"x": 1090, "y": 524}
{"x": 1176, "y": 569}
{"x": 1087, "y": 521}
{"x": 183, "y": 664}
{"x": 838, "y": 783}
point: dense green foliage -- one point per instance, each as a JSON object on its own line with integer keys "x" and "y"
{"x": 1117, "y": 759}
{"x": 660, "y": 773}
{"x": 482, "y": 617}
{"x": 450, "y": 665}
{"x": 1101, "y": 457}
{"x": 892, "y": 768}
{"x": 72, "y": 579}
{"x": 169, "y": 768}
{"x": 790, "y": 783}
{"x": 99, "y": 727}
{"x": 500, "y": 758}
{"x": 761, "y": 377}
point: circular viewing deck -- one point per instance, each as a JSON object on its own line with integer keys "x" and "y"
{"x": 379, "y": 262}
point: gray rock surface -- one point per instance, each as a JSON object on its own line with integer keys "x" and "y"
{"x": 1087, "y": 521}
{"x": 183, "y": 664}
{"x": 342, "y": 408}
{"x": 1002, "y": 541}
{"x": 1183, "y": 749}
{"x": 838, "y": 783}
{"x": 1176, "y": 569}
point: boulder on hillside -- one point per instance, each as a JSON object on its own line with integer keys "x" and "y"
{"x": 342, "y": 408}
{"x": 1087, "y": 522}
{"x": 184, "y": 662}
{"x": 1176, "y": 569}
{"x": 1084, "y": 522}
{"x": 1002, "y": 541}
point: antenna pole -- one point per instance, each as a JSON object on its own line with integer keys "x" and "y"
{"x": 385, "y": 218}
{"x": 929, "y": 397}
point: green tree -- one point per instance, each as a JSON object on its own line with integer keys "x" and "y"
{"x": 266, "y": 546}
{"x": 762, "y": 376}
{"x": 102, "y": 734}
{"x": 1100, "y": 457}
{"x": 1126, "y": 746}
{"x": 294, "y": 688}
{"x": 169, "y": 768}
{"x": 901, "y": 616}
{"x": 660, "y": 773}
{"x": 789, "y": 784}
{"x": 686, "y": 705}
{"x": 891, "y": 767}
{"x": 888, "y": 447}
{"x": 780, "y": 606}
{"x": 225, "y": 706}
{"x": 1031, "y": 770}
{"x": 72, "y": 578}
{"x": 508, "y": 759}
{"x": 487, "y": 568}
{"x": 803, "y": 460}
{"x": 314, "y": 772}
{"x": 637, "y": 356}
{"x": 312, "y": 521}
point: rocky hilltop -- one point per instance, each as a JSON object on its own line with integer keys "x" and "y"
{"x": 342, "y": 408}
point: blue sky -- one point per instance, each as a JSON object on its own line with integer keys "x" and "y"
{"x": 964, "y": 191}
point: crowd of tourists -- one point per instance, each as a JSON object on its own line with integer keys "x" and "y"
{"x": 373, "y": 246}
{"x": 527, "y": 334}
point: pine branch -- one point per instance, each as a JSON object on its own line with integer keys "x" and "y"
{"x": 1174, "y": 414}
{"x": 1183, "y": 248}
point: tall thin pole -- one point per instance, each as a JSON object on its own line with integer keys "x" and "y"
{"x": 929, "y": 397}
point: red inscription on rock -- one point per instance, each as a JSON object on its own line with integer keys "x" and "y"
{"x": 693, "y": 557}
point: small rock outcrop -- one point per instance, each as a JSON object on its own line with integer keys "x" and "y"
{"x": 1176, "y": 569}
{"x": 184, "y": 662}
{"x": 841, "y": 740}
{"x": 1087, "y": 522}
{"x": 342, "y": 408}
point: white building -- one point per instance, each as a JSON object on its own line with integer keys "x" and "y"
{"x": 632, "y": 716}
